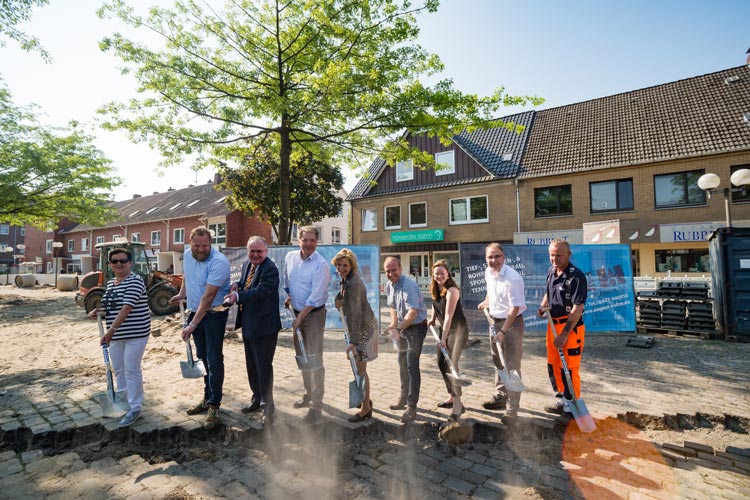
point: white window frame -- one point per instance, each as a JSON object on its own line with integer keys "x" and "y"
{"x": 84, "y": 245}
{"x": 385, "y": 217}
{"x": 155, "y": 241}
{"x": 412, "y": 224}
{"x": 445, "y": 158}
{"x": 335, "y": 235}
{"x": 175, "y": 240}
{"x": 136, "y": 237}
{"x": 468, "y": 210}
{"x": 48, "y": 246}
{"x": 216, "y": 239}
{"x": 72, "y": 245}
{"x": 373, "y": 217}
{"x": 116, "y": 237}
{"x": 100, "y": 239}
{"x": 4, "y": 229}
{"x": 404, "y": 170}
{"x": 23, "y": 231}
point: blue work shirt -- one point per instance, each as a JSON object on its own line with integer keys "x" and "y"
{"x": 212, "y": 271}
{"x": 404, "y": 295}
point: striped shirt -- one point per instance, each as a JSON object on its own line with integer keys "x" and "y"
{"x": 131, "y": 292}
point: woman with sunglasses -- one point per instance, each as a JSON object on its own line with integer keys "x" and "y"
{"x": 125, "y": 304}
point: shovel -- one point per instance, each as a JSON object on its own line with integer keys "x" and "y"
{"x": 577, "y": 406}
{"x": 303, "y": 362}
{"x": 510, "y": 379}
{"x": 356, "y": 386}
{"x": 114, "y": 403}
{"x": 190, "y": 368}
{"x": 458, "y": 378}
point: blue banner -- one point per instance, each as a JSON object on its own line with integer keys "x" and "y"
{"x": 368, "y": 261}
{"x": 610, "y": 306}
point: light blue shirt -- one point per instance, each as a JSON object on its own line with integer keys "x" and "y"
{"x": 212, "y": 271}
{"x": 404, "y": 295}
{"x": 306, "y": 281}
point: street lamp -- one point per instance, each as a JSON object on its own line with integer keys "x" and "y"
{"x": 709, "y": 182}
{"x": 55, "y": 244}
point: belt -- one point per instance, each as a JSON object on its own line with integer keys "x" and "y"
{"x": 423, "y": 323}
{"x": 503, "y": 319}
{"x": 316, "y": 309}
{"x": 561, "y": 320}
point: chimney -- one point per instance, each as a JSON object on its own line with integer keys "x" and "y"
{"x": 170, "y": 189}
{"x": 217, "y": 178}
{"x": 156, "y": 192}
{"x": 136, "y": 196}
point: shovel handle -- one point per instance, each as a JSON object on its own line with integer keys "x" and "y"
{"x": 182, "y": 313}
{"x": 100, "y": 322}
{"x": 560, "y": 350}
{"x": 446, "y": 355}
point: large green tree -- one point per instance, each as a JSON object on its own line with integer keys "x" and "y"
{"x": 254, "y": 188}
{"x": 13, "y": 13}
{"x": 340, "y": 79}
{"x": 48, "y": 174}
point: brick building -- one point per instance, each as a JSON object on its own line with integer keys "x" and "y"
{"x": 11, "y": 237}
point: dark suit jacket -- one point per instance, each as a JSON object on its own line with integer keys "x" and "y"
{"x": 260, "y": 302}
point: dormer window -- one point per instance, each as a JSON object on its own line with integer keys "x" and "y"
{"x": 404, "y": 171}
{"x": 445, "y": 163}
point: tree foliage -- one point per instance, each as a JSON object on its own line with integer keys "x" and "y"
{"x": 340, "y": 79}
{"x": 254, "y": 188}
{"x": 13, "y": 13}
{"x": 47, "y": 174}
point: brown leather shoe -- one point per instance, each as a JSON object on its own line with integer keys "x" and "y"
{"x": 302, "y": 403}
{"x": 409, "y": 415}
{"x": 201, "y": 407}
{"x": 212, "y": 420}
{"x": 399, "y": 404}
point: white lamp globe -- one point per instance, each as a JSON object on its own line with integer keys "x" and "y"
{"x": 709, "y": 181}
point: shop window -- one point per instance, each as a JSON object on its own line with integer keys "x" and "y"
{"x": 418, "y": 215}
{"x": 610, "y": 196}
{"x": 740, "y": 196}
{"x": 682, "y": 260}
{"x": 369, "y": 219}
{"x": 469, "y": 210}
{"x": 393, "y": 217}
{"x": 445, "y": 163}
{"x": 404, "y": 171}
{"x": 679, "y": 189}
{"x": 551, "y": 201}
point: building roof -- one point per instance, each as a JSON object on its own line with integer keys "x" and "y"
{"x": 695, "y": 116}
{"x": 488, "y": 147}
{"x": 195, "y": 201}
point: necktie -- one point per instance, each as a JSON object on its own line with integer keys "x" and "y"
{"x": 250, "y": 277}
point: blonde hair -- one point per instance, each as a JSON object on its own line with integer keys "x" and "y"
{"x": 449, "y": 283}
{"x": 347, "y": 254}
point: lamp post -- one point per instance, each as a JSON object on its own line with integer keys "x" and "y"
{"x": 9, "y": 250}
{"x": 710, "y": 182}
{"x": 55, "y": 244}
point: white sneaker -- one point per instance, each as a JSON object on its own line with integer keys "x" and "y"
{"x": 129, "y": 418}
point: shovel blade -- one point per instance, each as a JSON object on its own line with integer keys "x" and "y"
{"x": 356, "y": 394}
{"x": 581, "y": 414}
{"x": 113, "y": 407}
{"x": 196, "y": 370}
{"x": 515, "y": 384}
{"x": 460, "y": 379}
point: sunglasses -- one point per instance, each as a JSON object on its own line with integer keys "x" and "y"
{"x": 118, "y": 261}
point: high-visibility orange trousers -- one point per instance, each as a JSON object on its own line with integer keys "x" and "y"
{"x": 573, "y": 351}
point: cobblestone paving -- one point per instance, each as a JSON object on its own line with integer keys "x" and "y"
{"x": 56, "y": 445}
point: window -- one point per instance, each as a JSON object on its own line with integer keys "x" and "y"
{"x": 691, "y": 260}
{"x": 178, "y": 236}
{"x": 369, "y": 219}
{"x": 135, "y": 237}
{"x": 152, "y": 210}
{"x": 220, "y": 233}
{"x": 393, "y": 217}
{"x": 740, "y": 196}
{"x": 469, "y": 210}
{"x": 557, "y": 200}
{"x": 193, "y": 202}
{"x": 294, "y": 231}
{"x": 335, "y": 235}
{"x": 175, "y": 206}
{"x": 4, "y": 229}
{"x": 23, "y": 231}
{"x": 100, "y": 239}
{"x": 135, "y": 213}
{"x": 48, "y": 247}
{"x": 417, "y": 214}
{"x": 674, "y": 190}
{"x": 155, "y": 238}
{"x": 404, "y": 171}
{"x": 71, "y": 245}
{"x": 116, "y": 237}
{"x": 445, "y": 163}
{"x": 84, "y": 245}
{"x": 610, "y": 196}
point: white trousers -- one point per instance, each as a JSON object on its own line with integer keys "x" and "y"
{"x": 126, "y": 356}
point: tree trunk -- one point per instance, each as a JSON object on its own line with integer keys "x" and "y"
{"x": 285, "y": 152}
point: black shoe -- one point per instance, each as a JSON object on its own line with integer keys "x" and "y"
{"x": 359, "y": 418}
{"x": 409, "y": 415}
{"x": 252, "y": 407}
{"x": 556, "y": 409}
{"x": 456, "y": 416}
{"x": 399, "y": 404}
{"x": 496, "y": 403}
{"x": 302, "y": 403}
{"x": 313, "y": 416}
{"x": 445, "y": 404}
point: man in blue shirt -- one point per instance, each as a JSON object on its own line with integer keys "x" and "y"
{"x": 205, "y": 283}
{"x": 307, "y": 276}
{"x": 409, "y": 325}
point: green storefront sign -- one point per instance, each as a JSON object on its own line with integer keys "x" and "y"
{"x": 420, "y": 236}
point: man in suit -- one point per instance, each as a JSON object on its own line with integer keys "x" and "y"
{"x": 257, "y": 294}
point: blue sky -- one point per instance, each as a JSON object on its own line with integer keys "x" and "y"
{"x": 564, "y": 52}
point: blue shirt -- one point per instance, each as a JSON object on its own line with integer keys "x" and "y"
{"x": 212, "y": 271}
{"x": 306, "y": 281}
{"x": 404, "y": 295}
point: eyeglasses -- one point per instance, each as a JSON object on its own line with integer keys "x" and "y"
{"x": 118, "y": 261}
